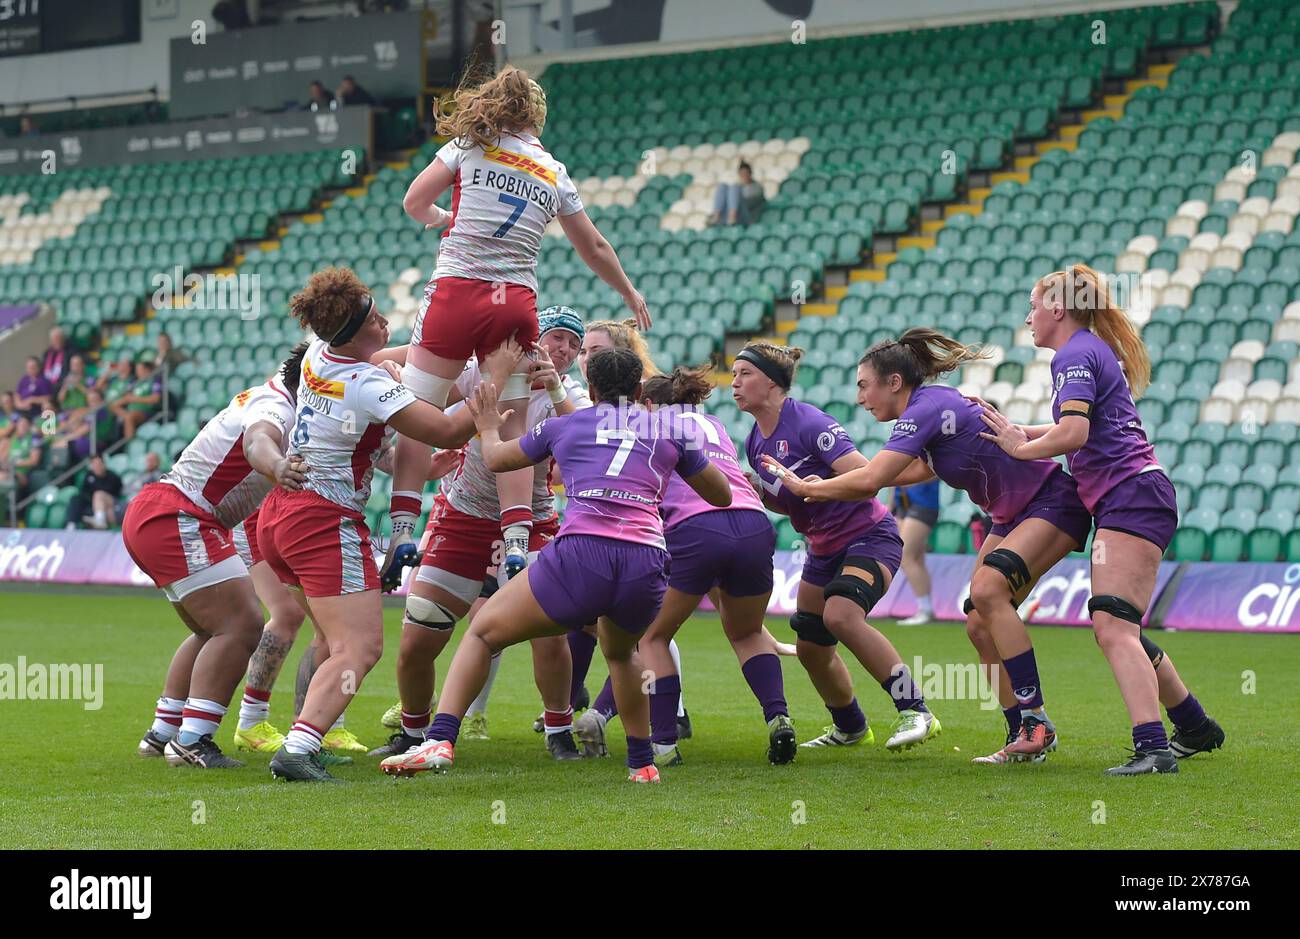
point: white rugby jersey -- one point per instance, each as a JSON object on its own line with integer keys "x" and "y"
{"x": 472, "y": 489}
{"x": 342, "y": 423}
{"x": 213, "y": 472}
{"x": 502, "y": 200}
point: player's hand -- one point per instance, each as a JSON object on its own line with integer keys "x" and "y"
{"x": 393, "y": 369}
{"x": 1010, "y": 437}
{"x": 636, "y": 303}
{"x": 542, "y": 369}
{"x": 443, "y": 462}
{"x": 443, "y": 217}
{"x": 482, "y": 405}
{"x": 980, "y": 401}
{"x": 291, "y": 472}
{"x": 756, "y": 481}
{"x": 498, "y": 364}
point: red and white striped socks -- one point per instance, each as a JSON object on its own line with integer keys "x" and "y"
{"x": 199, "y": 718}
{"x": 254, "y": 708}
{"x": 303, "y": 738}
{"x": 557, "y": 722}
{"x": 414, "y": 725}
{"x": 167, "y": 717}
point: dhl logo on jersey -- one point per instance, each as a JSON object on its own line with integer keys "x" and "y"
{"x": 520, "y": 162}
{"x": 321, "y": 386}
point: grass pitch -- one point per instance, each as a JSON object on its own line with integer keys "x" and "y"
{"x": 70, "y": 778}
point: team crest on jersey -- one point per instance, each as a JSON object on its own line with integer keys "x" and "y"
{"x": 782, "y": 449}
{"x": 520, "y": 162}
{"x": 242, "y": 398}
{"x": 321, "y": 386}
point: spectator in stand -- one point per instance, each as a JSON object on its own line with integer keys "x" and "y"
{"x": 351, "y": 93}
{"x": 35, "y": 392}
{"x": 318, "y": 99}
{"x": 151, "y": 473}
{"x": 8, "y": 420}
{"x": 139, "y": 404}
{"x": 90, "y": 431}
{"x": 54, "y": 364}
{"x": 99, "y": 493}
{"x": 24, "y": 456}
{"x": 738, "y": 203}
{"x": 27, "y": 127}
{"x": 117, "y": 380}
{"x": 76, "y": 385}
{"x": 168, "y": 356}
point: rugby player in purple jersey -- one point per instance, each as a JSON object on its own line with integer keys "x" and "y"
{"x": 854, "y": 550}
{"x": 1099, "y": 367}
{"x": 608, "y": 560}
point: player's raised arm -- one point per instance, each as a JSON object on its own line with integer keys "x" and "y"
{"x": 599, "y": 255}
{"x": 499, "y": 456}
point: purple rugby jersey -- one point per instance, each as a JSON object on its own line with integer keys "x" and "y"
{"x": 807, "y": 441}
{"x": 1086, "y": 369}
{"x": 942, "y": 428}
{"x": 616, "y": 464}
{"x": 681, "y": 501}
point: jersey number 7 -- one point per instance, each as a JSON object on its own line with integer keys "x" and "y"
{"x": 625, "y": 440}
{"x": 519, "y": 204}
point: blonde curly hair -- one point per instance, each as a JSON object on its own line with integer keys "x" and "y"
{"x": 480, "y": 111}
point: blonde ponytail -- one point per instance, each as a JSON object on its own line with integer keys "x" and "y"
{"x": 1085, "y": 296}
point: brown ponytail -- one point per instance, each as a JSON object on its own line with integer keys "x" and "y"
{"x": 479, "y": 113}
{"x": 1084, "y": 295}
{"x": 920, "y": 354}
{"x": 685, "y": 385}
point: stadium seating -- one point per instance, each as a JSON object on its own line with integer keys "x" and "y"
{"x": 1190, "y": 193}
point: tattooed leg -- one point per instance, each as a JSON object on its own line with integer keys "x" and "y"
{"x": 267, "y": 660}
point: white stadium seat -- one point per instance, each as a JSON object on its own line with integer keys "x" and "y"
{"x": 1230, "y": 389}
{"x": 1250, "y": 349}
{"x": 1287, "y": 330}
{"x": 1238, "y": 370}
{"x": 1267, "y": 389}
{"x": 1143, "y": 244}
{"x": 1230, "y": 191}
{"x": 1226, "y": 256}
{"x": 1182, "y": 226}
{"x": 1217, "y": 411}
{"x": 1254, "y": 411}
{"x": 1194, "y": 208}
{"x": 1018, "y": 411}
{"x": 1287, "y": 411}
{"x": 1246, "y": 224}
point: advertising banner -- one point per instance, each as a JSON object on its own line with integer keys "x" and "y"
{"x": 1218, "y": 597}
{"x": 270, "y": 67}
{"x": 1249, "y": 597}
{"x": 219, "y": 138}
